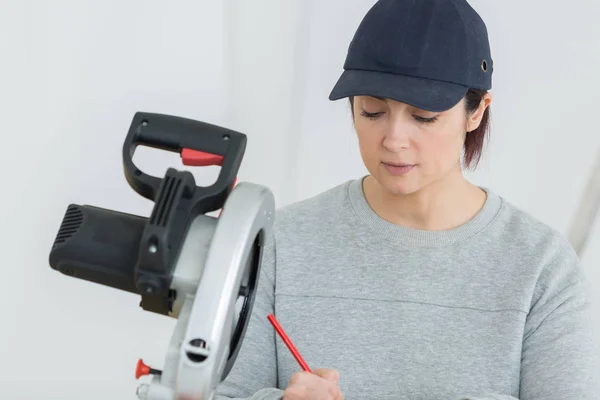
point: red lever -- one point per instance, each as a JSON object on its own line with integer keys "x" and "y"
{"x": 142, "y": 369}
{"x": 196, "y": 158}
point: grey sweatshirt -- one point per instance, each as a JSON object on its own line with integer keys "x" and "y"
{"x": 498, "y": 308}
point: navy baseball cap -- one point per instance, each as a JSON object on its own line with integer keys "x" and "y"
{"x": 426, "y": 53}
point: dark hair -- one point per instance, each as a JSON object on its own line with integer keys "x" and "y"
{"x": 474, "y": 140}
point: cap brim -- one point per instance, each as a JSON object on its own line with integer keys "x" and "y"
{"x": 426, "y": 94}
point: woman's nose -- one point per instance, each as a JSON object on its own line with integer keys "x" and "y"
{"x": 398, "y": 137}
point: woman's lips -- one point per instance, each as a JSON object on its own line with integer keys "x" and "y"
{"x": 398, "y": 169}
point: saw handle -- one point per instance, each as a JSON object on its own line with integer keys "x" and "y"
{"x": 178, "y": 200}
{"x": 199, "y": 144}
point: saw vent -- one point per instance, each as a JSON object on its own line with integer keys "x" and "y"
{"x": 71, "y": 222}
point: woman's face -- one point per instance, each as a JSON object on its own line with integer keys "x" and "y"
{"x": 406, "y": 149}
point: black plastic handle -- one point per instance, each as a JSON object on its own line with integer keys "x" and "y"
{"x": 174, "y": 134}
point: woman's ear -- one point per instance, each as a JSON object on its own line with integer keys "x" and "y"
{"x": 474, "y": 119}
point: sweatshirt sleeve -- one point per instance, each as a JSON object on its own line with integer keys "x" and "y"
{"x": 560, "y": 355}
{"x": 254, "y": 374}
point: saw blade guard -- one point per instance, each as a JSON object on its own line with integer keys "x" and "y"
{"x": 218, "y": 277}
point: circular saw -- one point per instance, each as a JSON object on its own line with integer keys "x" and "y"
{"x": 183, "y": 263}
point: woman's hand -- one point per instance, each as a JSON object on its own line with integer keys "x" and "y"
{"x": 322, "y": 384}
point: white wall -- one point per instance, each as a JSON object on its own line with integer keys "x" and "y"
{"x": 73, "y": 74}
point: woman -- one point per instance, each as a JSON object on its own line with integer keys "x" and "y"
{"x": 412, "y": 283}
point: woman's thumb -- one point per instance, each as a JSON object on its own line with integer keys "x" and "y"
{"x": 328, "y": 374}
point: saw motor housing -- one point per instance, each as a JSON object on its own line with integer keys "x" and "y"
{"x": 182, "y": 262}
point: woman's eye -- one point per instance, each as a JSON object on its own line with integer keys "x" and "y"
{"x": 371, "y": 115}
{"x": 424, "y": 120}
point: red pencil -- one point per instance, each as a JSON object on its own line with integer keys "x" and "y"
{"x": 288, "y": 343}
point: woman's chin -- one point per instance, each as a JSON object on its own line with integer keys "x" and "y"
{"x": 398, "y": 186}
